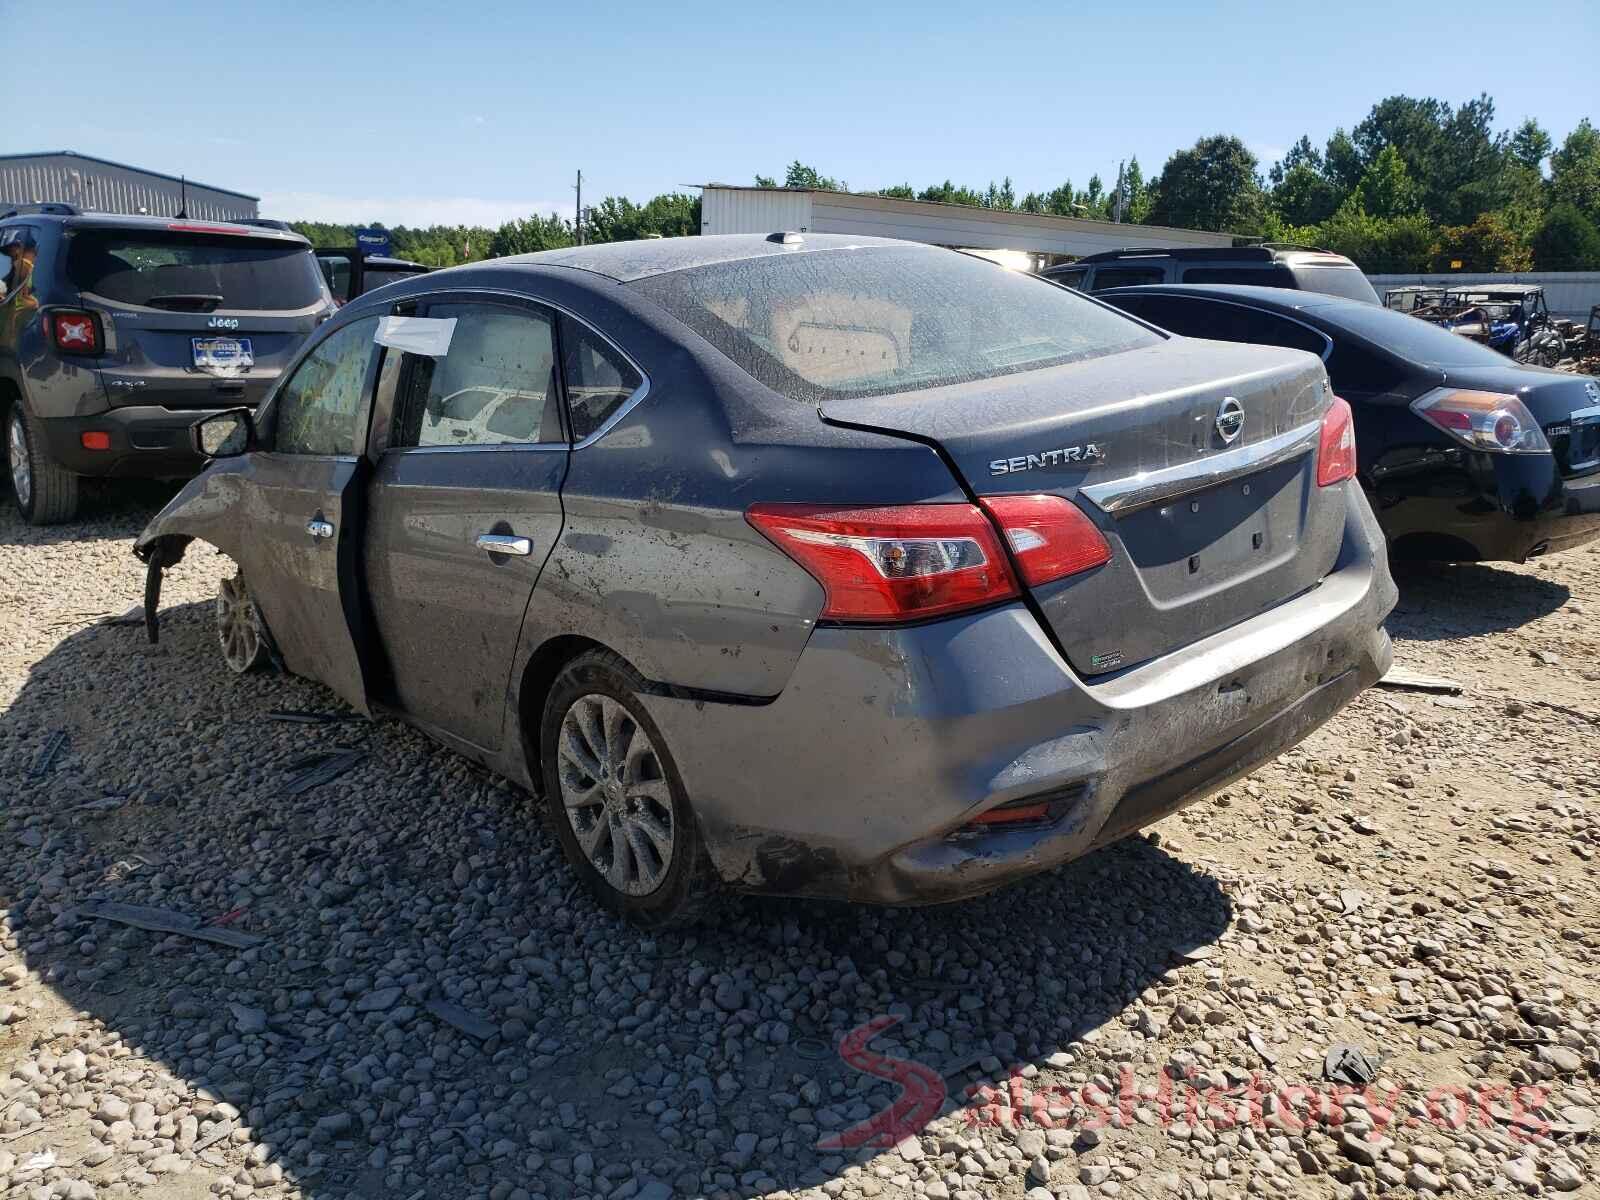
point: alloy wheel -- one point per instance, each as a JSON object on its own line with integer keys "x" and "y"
{"x": 238, "y": 626}
{"x": 21, "y": 464}
{"x": 616, "y": 795}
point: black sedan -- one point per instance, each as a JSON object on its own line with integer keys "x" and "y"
{"x": 1464, "y": 455}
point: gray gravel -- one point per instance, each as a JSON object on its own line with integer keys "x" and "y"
{"x": 435, "y": 1010}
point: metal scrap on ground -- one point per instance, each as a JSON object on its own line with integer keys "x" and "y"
{"x": 1405, "y": 680}
{"x": 163, "y": 920}
{"x": 53, "y": 747}
{"x": 1349, "y": 1064}
{"x": 468, "y": 1023}
{"x": 321, "y": 768}
{"x": 305, "y": 717}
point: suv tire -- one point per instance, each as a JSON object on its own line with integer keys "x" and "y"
{"x": 46, "y": 493}
{"x": 618, "y": 808}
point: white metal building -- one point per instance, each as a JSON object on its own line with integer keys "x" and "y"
{"x": 728, "y": 209}
{"x": 99, "y": 185}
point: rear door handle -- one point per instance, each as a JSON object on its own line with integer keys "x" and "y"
{"x": 504, "y": 543}
{"x": 318, "y": 528}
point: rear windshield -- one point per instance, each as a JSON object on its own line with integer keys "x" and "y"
{"x": 195, "y": 273}
{"x": 1348, "y": 282}
{"x": 1410, "y": 338}
{"x": 829, "y": 324}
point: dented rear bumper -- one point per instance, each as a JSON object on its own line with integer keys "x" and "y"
{"x": 887, "y": 746}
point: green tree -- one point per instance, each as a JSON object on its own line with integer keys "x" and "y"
{"x": 1575, "y": 171}
{"x": 531, "y": 234}
{"x": 900, "y": 191}
{"x": 1386, "y": 189}
{"x": 1531, "y": 145}
{"x": 1378, "y": 245}
{"x": 1341, "y": 163}
{"x": 1212, "y": 185}
{"x": 800, "y": 175}
{"x": 1303, "y": 196}
{"x": 1567, "y": 241}
{"x": 1137, "y": 195}
{"x": 1487, "y": 244}
{"x": 948, "y": 193}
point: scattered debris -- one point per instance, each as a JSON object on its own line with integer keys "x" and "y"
{"x": 1405, "y": 680}
{"x": 215, "y": 1136}
{"x": 42, "y": 1161}
{"x": 1351, "y": 899}
{"x": 162, "y": 920}
{"x": 54, "y": 745}
{"x": 319, "y": 769}
{"x": 1193, "y": 954}
{"x": 104, "y": 804}
{"x": 1259, "y": 1045}
{"x": 459, "y": 1018}
{"x": 1349, "y": 1064}
{"x": 307, "y": 717}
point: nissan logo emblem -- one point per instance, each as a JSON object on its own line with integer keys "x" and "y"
{"x": 1230, "y": 420}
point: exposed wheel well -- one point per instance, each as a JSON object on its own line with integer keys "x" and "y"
{"x": 537, "y": 679}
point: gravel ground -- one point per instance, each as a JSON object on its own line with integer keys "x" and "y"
{"x": 434, "y": 1009}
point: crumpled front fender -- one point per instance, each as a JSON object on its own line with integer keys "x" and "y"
{"x": 206, "y": 509}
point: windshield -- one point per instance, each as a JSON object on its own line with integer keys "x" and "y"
{"x": 194, "y": 272}
{"x": 1411, "y": 338}
{"x": 1348, "y": 282}
{"x": 828, "y": 324}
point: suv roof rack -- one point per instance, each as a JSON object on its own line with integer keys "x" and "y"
{"x": 1293, "y": 246}
{"x": 53, "y": 208}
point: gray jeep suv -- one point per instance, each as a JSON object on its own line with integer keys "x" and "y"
{"x": 1272, "y": 264}
{"x": 118, "y": 332}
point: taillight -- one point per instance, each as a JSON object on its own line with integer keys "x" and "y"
{"x": 892, "y": 564}
{"x": 74, "y": 331}
{"x": 1493, "y": 421}
{"x": 1336, "y": 450}
{"x": 1050, "y": 537}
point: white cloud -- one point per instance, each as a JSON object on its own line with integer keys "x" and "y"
{"x": 405, "y": 210}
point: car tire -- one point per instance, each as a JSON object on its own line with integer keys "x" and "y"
{"x": 241, "y": 634}
{"x": 45, "y": 492}
{"x": 614, "y": 799}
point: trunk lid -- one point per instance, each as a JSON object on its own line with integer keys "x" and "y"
{"x": 1205, "y": 531}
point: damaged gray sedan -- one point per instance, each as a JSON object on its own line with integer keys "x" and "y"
{"x": 799, "y": 564}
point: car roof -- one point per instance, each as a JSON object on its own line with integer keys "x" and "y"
{"x": 1269, "y": 252}
{"x": 628, "y": 261}
{"x": 140, "y": 221}
{"x": 1274, "y": 298}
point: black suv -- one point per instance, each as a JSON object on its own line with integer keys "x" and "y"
{"x": 118, "y": 332}
{"x": 1273, "y": 264}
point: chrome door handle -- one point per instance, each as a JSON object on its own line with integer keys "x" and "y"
{"x": 318, "y": 528}
{"x": 504, "y": 543}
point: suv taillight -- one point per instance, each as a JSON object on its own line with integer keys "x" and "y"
{"x": 895, "y": 563}
{"x": 73, "y": 331}
{"x": 1336, "y": 449}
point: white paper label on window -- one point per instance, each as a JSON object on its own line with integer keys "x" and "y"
{"x": 417, "y": 335}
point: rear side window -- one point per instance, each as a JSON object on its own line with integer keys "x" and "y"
{"x": 829, "y": 324}
{"x": 1267, "y": 275}
{"x": 320, "y": 406}
{"x": 18, "y": 245}
{"x": 496, "y": 386}
{"x": 194, "y": 272}
{"x": 1114, "y": 277}
{"x": 599, "y": 379}
{"x": 1348, "y": 282}
{"x": 1070, "y": 279}
{"x": 1225, "y": 322}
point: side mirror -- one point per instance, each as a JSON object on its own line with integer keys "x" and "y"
{"x": 224, "y": 434}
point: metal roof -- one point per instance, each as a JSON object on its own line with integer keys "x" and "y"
{"x": 210, "y": 187}
{"x": 627, "y": 261}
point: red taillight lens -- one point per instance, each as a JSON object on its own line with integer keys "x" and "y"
{"x": 1336, "y": 453}
{"x": 96, "y": 440}
{"x": 892, "y": 564}
{"x": 74, "y": 332}
{"x": 1050, "y": 537}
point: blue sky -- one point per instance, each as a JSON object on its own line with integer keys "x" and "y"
{"x": 411, "y": 113}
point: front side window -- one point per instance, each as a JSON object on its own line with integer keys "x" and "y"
{"x": 496, "y": 385}
{"x": 830, "y": 324}
{"x": 319, "y": 408}
{"x": 195, "y": 272}
{"x": 599, "y": 379}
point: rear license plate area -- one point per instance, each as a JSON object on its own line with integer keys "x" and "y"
{"x": 1206, "y": 538}
{"x": 222, "y": 355}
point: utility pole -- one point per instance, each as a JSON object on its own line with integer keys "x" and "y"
{"x": 580, "y": 208}
{"x": 1116, "y": 207}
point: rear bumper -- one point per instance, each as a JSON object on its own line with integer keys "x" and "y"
{"x": 147, "y": 442}
{"x": 1501, "y": 509}
{"x": 886, "y": 744}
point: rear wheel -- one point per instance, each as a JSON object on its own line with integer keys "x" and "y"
{"x": 239, "y": 630}
{"x": 46, "y": 493}
{"x": 614, "y": 799}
